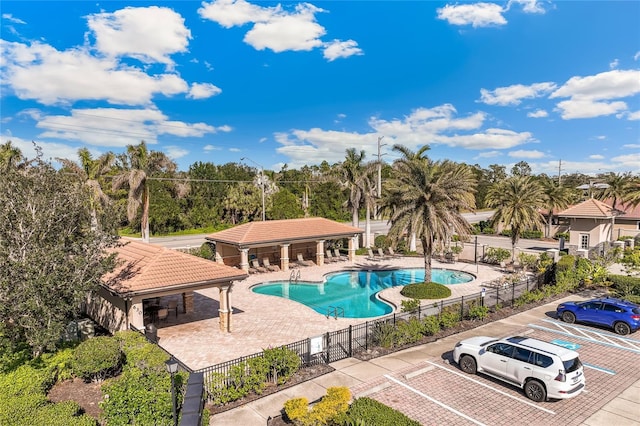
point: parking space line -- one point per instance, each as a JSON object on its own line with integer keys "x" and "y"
{"x": 435, "y": 401}
{"x": 466, "y": 377}
{"x": 604, "y": 370}
{"x": 590, "y": 339}
{"x": 604, "y": 334}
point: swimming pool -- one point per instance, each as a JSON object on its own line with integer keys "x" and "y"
{"x": 354, "y": 293}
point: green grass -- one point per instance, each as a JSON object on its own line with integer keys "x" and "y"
{"x": 429, "y": 290}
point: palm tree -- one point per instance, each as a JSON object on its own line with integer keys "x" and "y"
{"x": 89, "y": 171}
{"x": 10, "y": 156}
{"x": 517, "y": 201}
{"x": 358, "y": 178}
{"x": 618, "y": 187}
{"x": 556, "y": 197}
{"x": 633, "y": 192}
{"x": 426, "y": 198}
{"x": 137, "y": 165}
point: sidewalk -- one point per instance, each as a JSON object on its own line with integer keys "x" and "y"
{"x": 622, "y": 411}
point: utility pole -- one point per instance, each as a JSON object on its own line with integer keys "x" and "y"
{"x": 379, "y": 186}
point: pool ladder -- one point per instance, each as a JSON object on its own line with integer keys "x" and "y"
{"x": 295, "y": 275}
{"x": 335, "y": 312}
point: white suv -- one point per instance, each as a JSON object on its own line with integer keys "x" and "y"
{"x": 542, "y": 369}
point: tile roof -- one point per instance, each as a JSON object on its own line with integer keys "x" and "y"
{"x": 627, "y": 210}
{"x": 289, "y": 230}
{"x": 590, "y": 208}
{"x": 148, "y": 267}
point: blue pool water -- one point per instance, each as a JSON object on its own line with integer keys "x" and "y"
{"x": 354, "y": 292}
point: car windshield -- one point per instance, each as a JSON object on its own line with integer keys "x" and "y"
{"x": 572, "y": 365}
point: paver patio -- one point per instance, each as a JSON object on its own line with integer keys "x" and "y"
{"x": 261, "y": 321}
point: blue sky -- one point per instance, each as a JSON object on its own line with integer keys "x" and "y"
{"x": 299, "y": 83}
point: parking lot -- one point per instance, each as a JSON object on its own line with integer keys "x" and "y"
{"x": 437, "y": 392}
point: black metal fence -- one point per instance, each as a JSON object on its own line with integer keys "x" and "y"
{"x": 337, "y": 345}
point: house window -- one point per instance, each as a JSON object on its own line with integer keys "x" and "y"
{"x": 584, "y": 241}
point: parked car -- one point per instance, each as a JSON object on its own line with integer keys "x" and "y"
{"x": 544, "y": 370}
{"x": 620, "y": 315}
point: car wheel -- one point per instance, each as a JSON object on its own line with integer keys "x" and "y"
{"x": 535, "y": 391}
{"x": 622, "y": 328}
{"x": 569, "y": 317}
{"x": 468, "y": 364}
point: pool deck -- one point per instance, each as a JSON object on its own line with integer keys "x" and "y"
{"x": 261, "y": 321}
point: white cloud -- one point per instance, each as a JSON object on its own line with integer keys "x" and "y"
{"x": 341, "y": 49}
{"x": 488, "y": 154}
{"x": 601, "y": 137}
{"x": 540, "y": 113}
{"x": 9, "y": 17}
{"x": 209, "y": 148}
{"x": 476, "y": 14}
{"x": 50, "y": 150}
{"x": 614, "y": 64}
{"x": 42, "y": 73}
{"x": 149, "y": 34}
{"x": 634, "y": 115}
{"x": 203, "y": 91}
{"x": 596, "y": 157}
{"x": 636, "y": 56}
{"x": 513, "y": 95}
{"x": 277, "y": 29}
{"x": 438, "y": 125}
{"x": 175, "y": 152}
{"x": 627, "y": 162}
{"x": 118, "y": 127}
{"x": 592, "y": 96}
{"x": 526, "y": 154}
{"x": 235, "y": 150}
{"x": 632, "y": 145}
{"x": 528, "y": 6}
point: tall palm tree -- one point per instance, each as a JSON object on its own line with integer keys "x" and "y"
{"x": 358, "y": 178}
{"x": 89, "y": 171}
{"x": 10, "y": 156}
{"x": 137, "y": 165}
{"x": 426, "y": 198}
{"x": 556, "y": 197}
{"x": 618, "y": 187}
{"x": 633, "y": 192}
{"x": 517, "y": 201}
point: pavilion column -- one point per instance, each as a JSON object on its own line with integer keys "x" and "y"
{"x": 188, "y": 305}
{"x": 353, "y": 243}
{"x": 284, "y": 257}
{"x": 244, "y": 259}
{"x": 136, "y": 314}
{"x": 224, "y": 312}
{"x": 320, "y": 252}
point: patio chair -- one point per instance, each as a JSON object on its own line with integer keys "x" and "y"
{"x": 256, "y": 265}
{"x": 337, "y": 255}
{"x": 173, "y": 306}
{"x": 269, "y": 266}
{"x": 303, "y": 262}
{"x": 163, "y": 314}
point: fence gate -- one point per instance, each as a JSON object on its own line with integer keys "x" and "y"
{"x": 339, "y": 345}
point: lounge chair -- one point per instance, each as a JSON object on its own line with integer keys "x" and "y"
{"x": 173, "y": 306}
{"x": 256, "y": 265}
{"x": 269, "y": 266}
{"x": 337, "y": 255}
{"x": 328, "y": 258}
{"x": 371, "y": 256}
{"x": 392, "y": 253}
{"x": 303, "y": 262}
{"x": 381, "y": 254}
{"x": 163, "y": 314}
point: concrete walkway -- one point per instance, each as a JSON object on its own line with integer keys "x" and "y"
{"x": 623, "y": 410}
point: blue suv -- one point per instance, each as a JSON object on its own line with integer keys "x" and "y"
{"x": 620, "y": 315}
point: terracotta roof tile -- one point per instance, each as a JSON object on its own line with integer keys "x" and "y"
{"x": 271, "y": 231}
{"x": 591, "y": 208}
{"x": 149, "y": 267}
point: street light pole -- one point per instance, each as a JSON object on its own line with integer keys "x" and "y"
{"x": 172, "y": 368}
{"x": 261, "y": 182}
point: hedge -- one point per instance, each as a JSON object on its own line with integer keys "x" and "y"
{"x": 368, "y": 411}
{"x": 428, "y": 290}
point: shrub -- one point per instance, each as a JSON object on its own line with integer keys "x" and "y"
{"x": 410, "y": 331}
{"x": 139, "y": 353}
{"x": 450, "y": 316}
{"x": 332, "y": 406}
{"x": 559, "y": 235}
{"x": 411, "y": 305}
{"x": 625, "y": 286}
{"x": 282, "y": 363}
{"x": 496, "y": 255}
{"x": 383, "y": 334}
{"x": 478, "y": 312}
{"x": 382, "y": 241}
{"x": 296, "y": 408}
{"x": 531, "y": 234}
{"x": 97, "y": 358}
{"x": 428, "y": 290}
{"x": 371, "y": 412}
{"x": 430, "y": 325}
